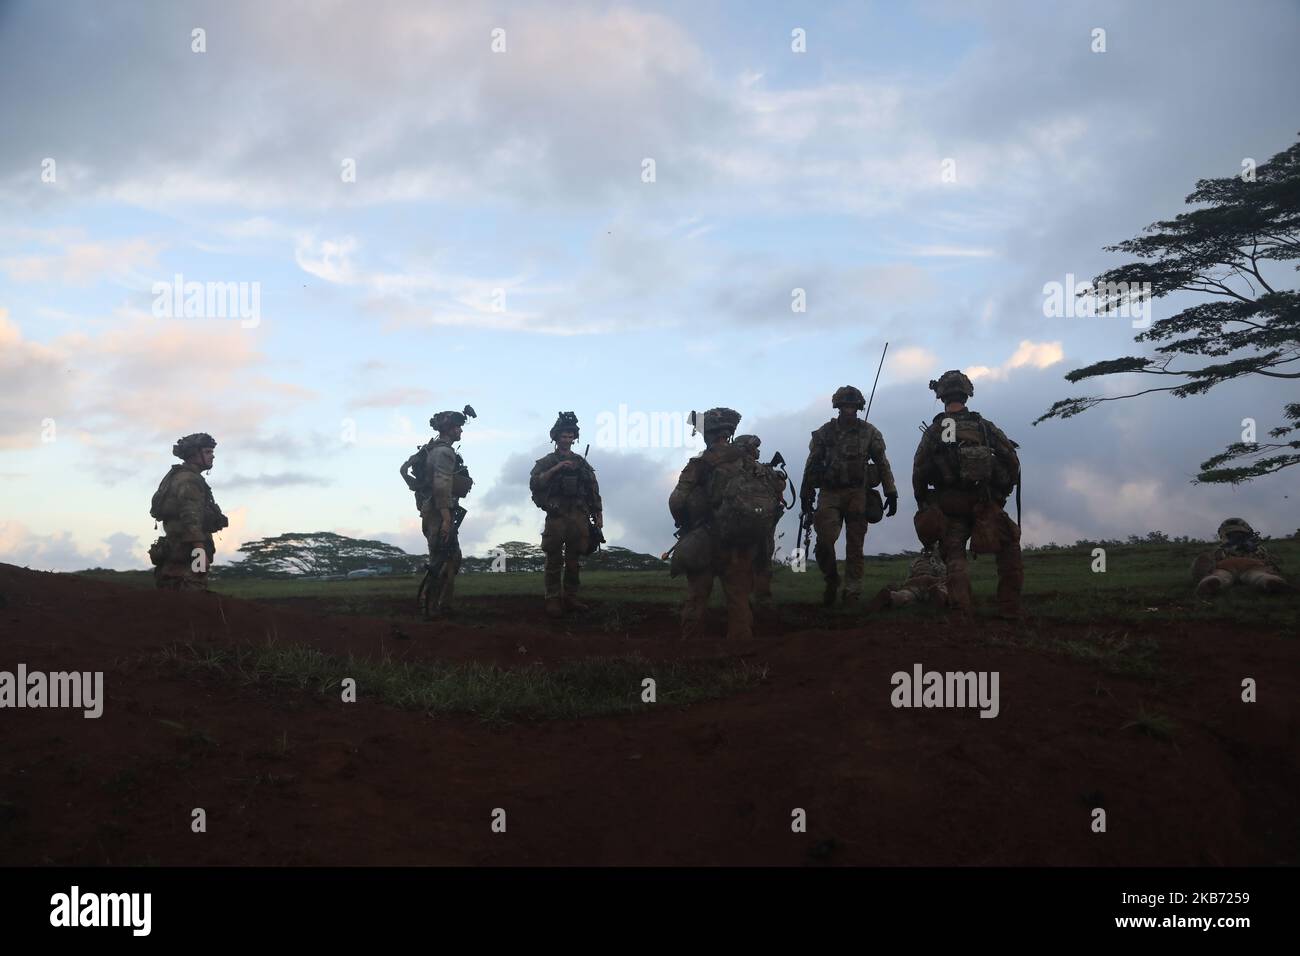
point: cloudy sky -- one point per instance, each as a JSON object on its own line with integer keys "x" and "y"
{"x": 603, "y": 207}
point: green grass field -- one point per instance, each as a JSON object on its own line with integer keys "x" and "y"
{"x": 583, "y": 688}
{"x": 1095, "y": 618}
{"x": 1145, "y": 582}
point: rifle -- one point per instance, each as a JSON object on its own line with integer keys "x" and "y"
{"x": 438, "y": 556}
{"x": 596, "y": 534}
{"x": 805, "y": 532}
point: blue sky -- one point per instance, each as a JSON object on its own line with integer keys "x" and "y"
{"x": 514, "y": 180}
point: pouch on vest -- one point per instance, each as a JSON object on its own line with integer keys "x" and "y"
{"x": 975, "y": 464}
{"x": 848, "y": 468}
{"x": 461, "y": 482}
{"x": 595, "y": 537}
{"x": 694, "y": 552}
{"x": 992, "y": 529}
{"x": 875, "y": 507}
{"x": 569, "y": 486}
{"x": 158, "y": 552}
{"x": 873, "y": 475}
{"x": 931, "y": 524}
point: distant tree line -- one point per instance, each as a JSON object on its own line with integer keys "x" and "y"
{"x": 326, "y": 554}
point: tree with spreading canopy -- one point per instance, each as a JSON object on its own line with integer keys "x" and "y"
{"x": 1252, "y": 327}
{"x": 317, "y": 553}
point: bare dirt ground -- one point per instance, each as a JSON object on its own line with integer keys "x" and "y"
{"x": 296, "y": 777}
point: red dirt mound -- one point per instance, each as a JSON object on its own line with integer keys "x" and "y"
{"x": 293, "y": 778}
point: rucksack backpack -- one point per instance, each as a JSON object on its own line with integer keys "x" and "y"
{"x": 971, "y": 451}
{"x": 159, "y": 501}
{"x": 461, "y": 482}
{"x": 419, "y": 464}
{"x": 745, "y": 500}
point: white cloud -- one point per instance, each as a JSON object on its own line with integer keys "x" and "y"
{"x": 1037, "y": 355}
{"x": 912, "y": 363}
{"x": 327, "y": 259}
{"x": 81, "y": 263}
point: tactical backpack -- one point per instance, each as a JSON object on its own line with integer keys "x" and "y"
{"x": 160, "y": 496}
{"x": 461, "y": 482}
{"x": 969, "y": 461}
{"x": 420, "y": 465}
{"x": 745, "y": 501}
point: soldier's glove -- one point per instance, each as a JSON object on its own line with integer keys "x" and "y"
{"x": 891, "y": 504}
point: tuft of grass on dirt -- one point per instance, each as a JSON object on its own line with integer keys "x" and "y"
{"x": 1158, "y": 726}
{"x": 1114, "y": 651}
{"x": 585, "y": 688}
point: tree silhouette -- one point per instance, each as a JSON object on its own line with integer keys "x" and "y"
{"x": 317, "y": 553}
{"x": 1252, "y": 328}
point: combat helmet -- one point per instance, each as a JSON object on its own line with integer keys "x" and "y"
{"x": 1235, "y": 527}
{"x": 188, "y": 445}
{"x": 848, "y": 395}
{"x": 952, "y": 382}
{"x": 749, "y": 442}
{"x": 716, "y": 420}
{"x": 444, "y": 420}
{"x": 565, "y": 422}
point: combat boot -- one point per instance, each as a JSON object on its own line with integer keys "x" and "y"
{"x": 832, "y": 589}
{"x": 881, "y": 601}
{"x": 849, "y": 597}
{"x": 1209, "y": 586}
{"x": 572, "y": 604}
{"x": 554, "y": 609}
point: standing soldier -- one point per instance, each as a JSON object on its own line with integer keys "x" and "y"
{"x": 564, "y": 485}
{"x": 185, "y": 506}
{"x": 963, "y": 472}
{"x": 1239, "y": 559}
{"x": 701, "y": 505}
{"x": 750, "y": 444}
{"x": 846, "y": 460}
{"x": 441, "y": 484}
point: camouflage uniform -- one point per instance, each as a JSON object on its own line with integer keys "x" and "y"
{"x": 448, "y": 480}
{"x": 763, "y": 559}
{"x": 926, "y": 578}
{"x": 190, "y": 515}
{"x": 967, "y": 509}
{"x": 571, "y": 500}
{"x": 1239, "y": 559}
{"x": 690, "y": 508}
{"x": 846, "y": 460}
